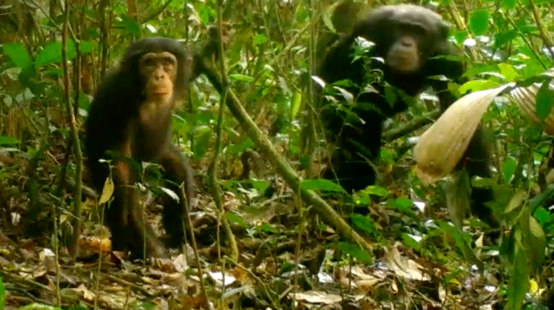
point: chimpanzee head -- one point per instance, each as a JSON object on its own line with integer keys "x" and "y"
{"x": 158, "y": 67}
{"x": 405, "y": 36}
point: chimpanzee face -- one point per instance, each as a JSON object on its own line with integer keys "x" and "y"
{"x": 405, "y": 36}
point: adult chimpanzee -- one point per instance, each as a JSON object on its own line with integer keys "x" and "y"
{"x": 131, "y": 115}
{"x": 411, "y": 40}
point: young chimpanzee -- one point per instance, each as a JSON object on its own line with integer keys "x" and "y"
{"x": 410, "y": 40}
{"x": 131, "y": 116}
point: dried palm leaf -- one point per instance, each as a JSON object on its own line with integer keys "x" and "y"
{"x": 525, "y": 99}
{"x": 442, "y": 146}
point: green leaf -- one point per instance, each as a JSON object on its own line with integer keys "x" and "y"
{"x": 355, "y": 251}
{"x": 508, "y": 4}
{"x": 519, "y": 275}
{"x": 479, "y": 21}
{"x": 52, "y": 53}
{"x": 86, "y": 47}
{"x": 321, "y": 184}
{"x": 516, "y": 201}
{"x": 18, "y": 54}
{"x": 542, "y": 215}
{"x": 131, "y": 26}
{"x": 241, "y": 77}
{"x": 260, "y": 185}
{"x": 377, "y": 191}
{"x": 541, "y": 198}
{"x": 235, "y": 218}
{"x": 505, "y": 37}
{"x": 477, "y": 85}
{"x": 544, "y": 101}
{"x": 5, "y": 140}
{"x": 403, "y": 203}
{"x": 259, "y": 39}
{"x": 462, "y": 243}
{"x": 22, "y": 59}
{"x": 537, "y": 240}
{"x": 508, "y": 71}
{"x": 2, "y": 295}
{"x": 363, "y": 222}
{"x": 265, "y": 227}
{"x": 457, "y": 197}
{"x": 410, "y": 241}
{"x": 296, "y": 103}
{"x": 509, "y": 169}
{"x": 326, "y": 17}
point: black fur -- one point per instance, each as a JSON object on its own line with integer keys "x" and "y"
{"x": 113, "y": 119}
{"x": 383, "y": 27}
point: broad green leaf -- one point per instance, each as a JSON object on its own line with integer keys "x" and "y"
{"x": 509, "y": 4}
{"x": 509, "y": 169}
{"x": 519, "y": 275}
{"x": 457, "y": 197}
{"x": 260, "y": 185}
{"x": 403, "y": 203}
{"x": 265, "y": 227}
{"x": 259, "y": 39}
{"x": 505, "y": 38}
{"x": 355, "y": 251}
{"x": 86, "y": 47}
{"x": 410, "y": 241}
{"x": 516, "y": 201}
{"x": 52, "y": 53}
{"x": 377, "y": 191}
{"x": 131, "y": 25}
{"x": 22, "y": 60}
{"x": 537, "y": 245}
{"x": 235, "y": 218}
{"x": 296, "y": 103}
{"x": 326, "y": 17}
{"x": 462, "y": 243}
{"x": 5, "y": 140}
{"x": 18, "y": 54}
{"x": 508, "y": 72}
{"x": 321, "y": 184}
{"x": 363, "y": 222}
{"x": 479, "y": 21}
{"x": 539, "y": 199}
{"x": 542, "y": 215}
{"x": 2, "y": 294}
{"x": 241, "y": 77}
{"x": 545, "y": 100}
{"x": 477, "y": 85}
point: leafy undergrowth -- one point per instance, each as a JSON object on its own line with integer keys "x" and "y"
{"x": 425, "y": 271}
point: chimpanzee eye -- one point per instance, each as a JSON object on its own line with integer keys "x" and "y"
{"x": 167, "y": 61}
{"x": 149, "y": 62}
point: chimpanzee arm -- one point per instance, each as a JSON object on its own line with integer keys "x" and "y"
{"x": 443, "y": 66}
{"x": 125, "y": 179}
{"x": 210, "y": 50}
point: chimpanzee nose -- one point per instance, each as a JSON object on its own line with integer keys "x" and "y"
{"x": 407, "y": 42}
{"x": 158, "y": 75}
